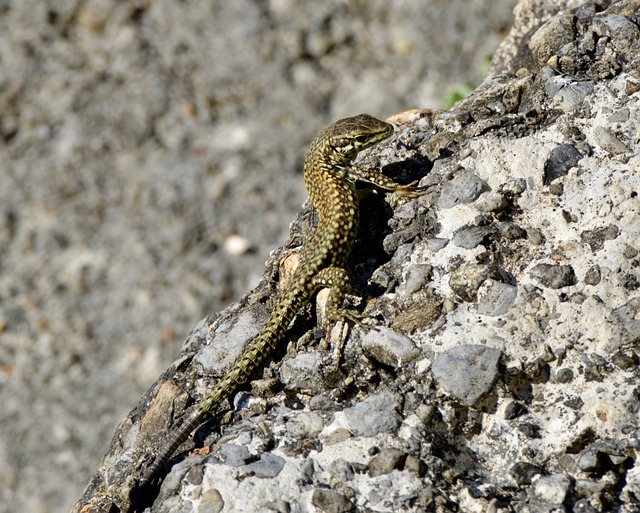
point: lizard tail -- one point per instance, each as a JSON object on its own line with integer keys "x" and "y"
{"x": 188, "y": 427}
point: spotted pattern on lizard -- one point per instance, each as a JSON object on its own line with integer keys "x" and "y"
{"x": 331, "y": 180}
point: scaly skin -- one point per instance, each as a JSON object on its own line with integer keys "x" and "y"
{"x": 331, "y": 181}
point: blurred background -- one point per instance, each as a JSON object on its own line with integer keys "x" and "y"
{"x": 150, "y": 157}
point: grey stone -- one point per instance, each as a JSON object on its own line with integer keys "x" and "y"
{"x": 564, "y": 375}
{"x": 561, "y": 160}
{"x": 267, "y": 467}
{"x": 467, "y": 279}
{"x": 385, "y": 461}
{"x": 468, "y": 371}
{"x": 571, "y": 96}
{"x": 546, "y": 41}
{"x": 234, "y": 455}
{"x": 554, "y": 276}
{"x": 592, "y": 276}
{"x": 513, "y": 187}
{"x": 211, "y": 502}
{"x": 329, "y": 501}
{"x": 468, "y": 237}
{"x": 553, "y": 489}
{"x": 303, "y": 371}
{"x": 597, "y": 237}
{"x": 464, "y": 187}
{"x": 514, "y": 410}
{"x": 609, "y": 142}
{"x": 491, "y": 202}
{"x": 495, "y": 298}
{"x": 511, "y": 231}
{"x": 436, "y": 244}
{"x": 389, "y": 347}
{"x": 523, "y": 472}
{"x": 229, "y": 340}
{"x": 417, "y": 277}
{"x": 536, "y": 237}
{"x": 374, "y": 415}
{"x": 341, "y": 470}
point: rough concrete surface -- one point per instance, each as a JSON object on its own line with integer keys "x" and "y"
{"x": 506, "y": 377}
{"x": 150, "y": 158}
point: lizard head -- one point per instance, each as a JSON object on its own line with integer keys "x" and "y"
{"x": 349, "y": 136}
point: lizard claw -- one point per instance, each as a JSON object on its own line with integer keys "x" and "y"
{"x": 412, "y": 191}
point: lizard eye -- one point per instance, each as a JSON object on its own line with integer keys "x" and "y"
{"x": 362, "y": 139}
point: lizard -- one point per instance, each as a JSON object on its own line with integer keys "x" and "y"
{"x": 330, "y": 179}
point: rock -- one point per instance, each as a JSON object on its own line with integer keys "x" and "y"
{"x": 329, "y": 501}
{"x": 302, "y": 371}
{"x": 514, "y": 410}
{"x": 553, "y": 489}
{"x": 524, "y": 472}
{"x": 267, "y": 467}
{"x": 495, "y": 298}
{"x": 562, "y": 158}
{"x": 373, "y": 415}
{"x": 468, "y": 371}
{"x": 548, "y": 38}
{"x": 389, "y": 347}
{"x": 235, "y": 455}
{"x": 596, "y": 238}
{"x": 554, "y": 276}
{"x": 469, "y": 237}
{"x": 491, "y": 202}
{"x": 211, "y": 502}
{"x": 464, "y": 187}
{"x": 467, "y": 279}
{"x": 385, "y": 461}
{"x": 592, "y": 277}
{"x": 553, "y": 428}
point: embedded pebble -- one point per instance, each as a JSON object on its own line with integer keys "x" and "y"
{"x": 436, "y": 244}
{"x": 596, "y": 238}
{"x": 468, "y": 237}
{"x": 234, "y": 455}
{"x": 374, "y": 415}
{"x": 303, "y": 371}
{"x": 329, "y": 501}
{"x": 561, "y": 160}
{"x": 267, "y": 467}
{"x": 511, "y": 231}
{"x": 417, "y": 276}
{"x": 609, "y": 142}
{"x": 571, "y": 96}
{"x": 464, "y": 187}
{"x": 495, "y": 298}
{"x": 230, "y": 339}
{"x": 553, "y": 489}
{"x": 513, "y": 187}
{"x": 535, "y": 236}
{"x": 211, "y": 502}
{"x": 549, "y": 36}
{"x": 554, "y": 276}
{"x": 389, "y": 347}
{"x": 467, "y": 371}
{"x": 385, "y": 461}
{"x": 467, "y": 279}
{"x": 514, "y": 410}
{"x": 491, "y": 202}
{"x": 524, "y": 472}
{"x": 305, "y": 424}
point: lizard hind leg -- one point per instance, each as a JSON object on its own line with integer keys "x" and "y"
{"x": 337, "y": 280}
